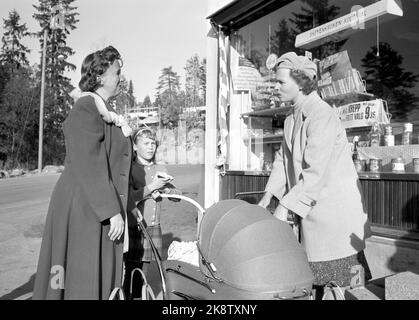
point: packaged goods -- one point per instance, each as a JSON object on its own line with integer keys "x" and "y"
{"x": 261, "y": 160}
{"x": 359, "y": 165}
{"x": 407, "y": 134}
{"x": 375, "y": 165}
{"x": 397, "y": 165}
{"x": 415, "y": 165}
{"x": 389, "y": 137}
{"x": 375, "y": 135}
{"x": 355, "y": 155}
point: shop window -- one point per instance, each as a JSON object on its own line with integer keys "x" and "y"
{"x": 376, "y": 62}
{"x": 384, "y": 52}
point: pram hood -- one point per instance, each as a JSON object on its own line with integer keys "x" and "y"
{"x": 252, "y": 250}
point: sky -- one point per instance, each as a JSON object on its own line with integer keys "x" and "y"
{"x": 149, "y": 34}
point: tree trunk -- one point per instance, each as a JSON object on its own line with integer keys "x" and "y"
{"x": 176, "y": 145}
{"x": 13, "y": 142}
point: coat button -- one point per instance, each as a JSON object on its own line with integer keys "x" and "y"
{"x": 313, "y": 203}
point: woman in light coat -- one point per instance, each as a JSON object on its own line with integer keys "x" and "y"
{"x": 314, "y": 178}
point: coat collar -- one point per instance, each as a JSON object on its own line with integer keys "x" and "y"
{"x": 308, "y": 104}
{"x": 300, "y": 111}
{"x": 143, "y": 162}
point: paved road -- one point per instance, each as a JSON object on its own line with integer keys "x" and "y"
{"x": 23, "y": 206}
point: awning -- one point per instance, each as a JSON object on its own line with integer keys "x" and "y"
{"x": 241, "y": 12}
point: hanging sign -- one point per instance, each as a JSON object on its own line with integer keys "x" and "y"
{"x": 349, "y": 23}
{"x": 362, "y": 114}
{"x": 247, "y": 76}
{"x": 271, "y": 61}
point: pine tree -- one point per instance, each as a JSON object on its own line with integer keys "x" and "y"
{"x": 171, "y": 108}
{"x": 147, "y": 102}
{"x": 203, "y": 79}
{"x": 194, "y": 82}
{"x": 4, "y": 78}
{"x": 282, "y": 40}
{"x": 195, "y": 86}
{"x": 57, "y": 86}
{"x": 169, "y": 97}
{"x": 57, "y": 49}
{"x": 121, "y": 102}
{"x": 17, "y": 117}
{"x": 168, "y": 81}
{"x": 131, "y": 95}
{"x": 13, "y": 54}
{"x": 313, "y": 14}
{"x": 16, "y": 91}
{"x": 387, "y": 79}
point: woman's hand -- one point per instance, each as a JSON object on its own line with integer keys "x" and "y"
{"x": 266, "y": 199}
{"x": 281, "y": 213}
{"x": 117, "y": 227}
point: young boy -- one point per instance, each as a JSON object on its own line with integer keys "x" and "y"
{"x": 147, "y": 178}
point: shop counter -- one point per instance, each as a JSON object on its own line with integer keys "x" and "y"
{"x": 391, "y": 199}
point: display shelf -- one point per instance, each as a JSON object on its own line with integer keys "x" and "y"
{"x": 363, "y": 175}
{"x": 357, "y": 96}
{"x": 397, "y": 127}
{"x": 390, "y": 199}
{"x": 404, "y": 176}
{"x": 268, "y": 113}
{"x": 265, "y": 173}
{"x": 267, "y": 138}
{"x": 388, "y": 153}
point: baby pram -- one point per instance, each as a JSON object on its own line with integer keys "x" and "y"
{"x": 244, "y": 253}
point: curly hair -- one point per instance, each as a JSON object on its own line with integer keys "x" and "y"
{"x": 307, "y": 85}
{"x": 96, "y": 64}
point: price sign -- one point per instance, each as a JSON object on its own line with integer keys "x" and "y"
{"x": 362, "y": 114}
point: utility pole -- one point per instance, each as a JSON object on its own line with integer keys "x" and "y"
{"x": 41, "y": 107}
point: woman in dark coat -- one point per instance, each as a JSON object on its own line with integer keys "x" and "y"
{"x": 84, "y": 237}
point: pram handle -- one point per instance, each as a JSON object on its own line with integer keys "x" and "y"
{"x": 182, "y": 197}
{"x": 294, "y": 226}
{"x": 156, "y": 254}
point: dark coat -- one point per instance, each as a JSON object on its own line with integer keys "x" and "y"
{"x": 139, "y": 248}
{"x": 142, "y": 176}
{"x": 92, "y": 189}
